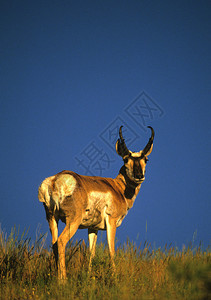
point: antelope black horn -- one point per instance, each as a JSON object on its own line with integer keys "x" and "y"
{"x": 121, "y": 143}
{"x": 149, "y": 144}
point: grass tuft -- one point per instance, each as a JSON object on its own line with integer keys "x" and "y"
{"x": 27, "y": 271}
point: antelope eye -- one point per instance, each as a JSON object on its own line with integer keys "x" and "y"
{"x": 146, "y": 160}
{"x": 125, "y": 160}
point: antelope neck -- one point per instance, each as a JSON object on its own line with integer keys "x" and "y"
{"x": 129, "y": 188}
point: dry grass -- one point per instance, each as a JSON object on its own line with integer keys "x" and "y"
{"x": 27, "y": 271}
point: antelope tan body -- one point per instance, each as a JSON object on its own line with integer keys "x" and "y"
{"x": 95, "y": 203}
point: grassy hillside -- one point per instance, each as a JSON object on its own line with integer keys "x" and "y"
{"x": 27, "y": 271}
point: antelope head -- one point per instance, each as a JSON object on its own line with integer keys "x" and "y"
{"x": 134, "y": 162}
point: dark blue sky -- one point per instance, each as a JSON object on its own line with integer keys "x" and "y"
{"x": 72, "y": 72}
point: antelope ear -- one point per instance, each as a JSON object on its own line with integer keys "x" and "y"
{"x": 118, "y": 148}
{"x": 121, "y": 147}
{"x": 149, "y": 151}
{"x": 148, "y": 148}
{"x": 120, "y": 151}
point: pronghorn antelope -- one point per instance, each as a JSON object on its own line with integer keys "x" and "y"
{"x": 91, "y": 202}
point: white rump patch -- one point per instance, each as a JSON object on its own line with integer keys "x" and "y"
{"x": 51, "y": 195}
{"x": 43, "y": 192}
{"x": 64, "y": 186}
{"x": 68, "y": 184}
